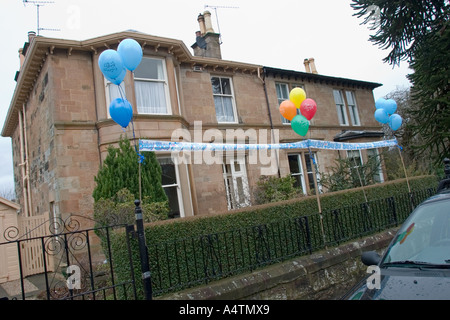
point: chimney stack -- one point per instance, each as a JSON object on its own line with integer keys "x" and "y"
{"x": 310, "y": 66}
{"x": 207, "y": 42}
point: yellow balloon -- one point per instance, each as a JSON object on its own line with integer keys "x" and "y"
{"x": 297, "y": 95}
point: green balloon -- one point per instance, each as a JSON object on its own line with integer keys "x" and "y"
{"x": 300, "y": 124}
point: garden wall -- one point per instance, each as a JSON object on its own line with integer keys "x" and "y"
{"x": 327, "y": 274}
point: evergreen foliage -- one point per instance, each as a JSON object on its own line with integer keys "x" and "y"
{"x": 402, "y": 25}
{"x": 431, "y": 94}
{"x": 121, "y": 170}
{"x": 419, "y": 32}
{"x": 274, "y": 189}
{"x": 347, "y": 175}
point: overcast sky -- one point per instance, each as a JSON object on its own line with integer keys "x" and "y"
{"x": 277, "y": 34}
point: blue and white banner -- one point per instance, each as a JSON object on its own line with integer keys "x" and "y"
{"x": 152, "y": 145}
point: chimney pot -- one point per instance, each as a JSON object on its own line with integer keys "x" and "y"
{"x": 208, "y": 23}
{"x": 313, "y": 65}
{"x": 21, "y": 57}
{"x": 306, "y": 63}
{"x": 31, "y": 36}
{"x": 201, "y": 22}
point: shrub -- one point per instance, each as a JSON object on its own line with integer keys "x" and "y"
{"x": 119, "y": 209}
{"x": 121, "y": 170}
{"x": 274, "y": 189}
{"x": 346, "y": 175}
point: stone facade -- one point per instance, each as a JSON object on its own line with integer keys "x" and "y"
{"x": 60, "y": 128}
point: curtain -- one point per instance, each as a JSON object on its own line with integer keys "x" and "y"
{"x": 150, "y": 97}
{"x": 224, "y": 109}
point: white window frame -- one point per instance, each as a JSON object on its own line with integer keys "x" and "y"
{"x": 352, "y": 108}
{"x": 285, "y": 96}
{"x": 176, "y": 185}
{"x": 232, "y": 189}
{"x": 356, "y": 166}
{"x": 233, "y": 102}
{"x": 350, "y": 154}
{"x": 374, "y": 153}
{"x": 303, "y": 172}
{"x": 340, "y": 108}
{"x": 300, "y": 169}
{"x": 314, "y": 159}
{"x": 164, "y": 81}
{"x": 109, "y": 99}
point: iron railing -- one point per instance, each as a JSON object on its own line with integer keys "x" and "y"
{"x": 183, "y": 263}
{"x": 65, "y": 249}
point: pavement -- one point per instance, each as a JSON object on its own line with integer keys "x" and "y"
{"x": 33, "y": 287}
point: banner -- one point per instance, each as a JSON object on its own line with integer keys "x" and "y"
{"x": 153, "y": 145}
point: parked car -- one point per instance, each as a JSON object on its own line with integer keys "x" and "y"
{"x": 416, "y": 264}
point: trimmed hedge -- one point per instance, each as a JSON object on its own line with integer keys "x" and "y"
{"x": 174, "y": 244}
{"x": 273, "y": 212}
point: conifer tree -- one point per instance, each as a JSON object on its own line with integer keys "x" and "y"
{"x": 121, "y": 170}
{"x": 418, "y": 32}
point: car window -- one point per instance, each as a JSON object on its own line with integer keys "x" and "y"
{"x": 425, "y": 236}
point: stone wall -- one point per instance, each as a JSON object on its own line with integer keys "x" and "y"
{"x": 325, "y": 275}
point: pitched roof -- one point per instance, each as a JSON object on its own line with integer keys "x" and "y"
{"x": 321, "y": 78}
{"x": 9, "y": 203}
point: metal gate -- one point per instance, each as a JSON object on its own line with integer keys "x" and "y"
{"x": 76, "y": 263}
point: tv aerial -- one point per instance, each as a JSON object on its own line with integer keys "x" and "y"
{"x": 217, "y": 18}
{"x": 39, "y": 4}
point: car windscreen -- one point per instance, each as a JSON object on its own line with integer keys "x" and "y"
{"x": 424, "y": 237}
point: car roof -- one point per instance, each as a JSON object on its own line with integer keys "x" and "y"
{"x": 443, "y": 195}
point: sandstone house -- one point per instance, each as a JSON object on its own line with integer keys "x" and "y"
{"x": 60, "y": 127}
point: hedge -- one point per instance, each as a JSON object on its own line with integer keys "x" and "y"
{"x": 189, "y": 251}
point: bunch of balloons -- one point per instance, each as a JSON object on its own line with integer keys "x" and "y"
{"x": 307, "y": 106}
{"x": 385, "y": 113}
{"x": 114, "y": 65}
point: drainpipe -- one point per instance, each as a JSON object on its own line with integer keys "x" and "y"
{"x": 263, "y": 79}
{"x": 27, "y": 163}
{"x": 22, "y": 164}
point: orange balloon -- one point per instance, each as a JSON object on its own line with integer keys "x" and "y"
{"x": 288, "y": 109}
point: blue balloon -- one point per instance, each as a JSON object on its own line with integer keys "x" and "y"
{"x": 120, "y": 78}
{"x": 131, "y": 53}
{"x": 390, "y": 106}
{"x": 380, "y": 103}
{"x": 110, "y": 64}
{"x": 121, "y": 111}
{"x": 381, "y": 115}
{"x": 395, "y": 121}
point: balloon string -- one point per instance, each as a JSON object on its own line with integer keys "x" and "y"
{"x": 140, "y": 156}
{"x": 123, "y": 96}
{"x": 121, "y": 91}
